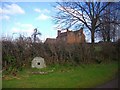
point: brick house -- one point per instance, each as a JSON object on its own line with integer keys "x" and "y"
{"x": 50, "y": 40}
{"x": 69, "y": 37}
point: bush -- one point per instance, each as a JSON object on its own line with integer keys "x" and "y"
{"x": 18, "y": 54}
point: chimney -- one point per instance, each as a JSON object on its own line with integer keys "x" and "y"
{"x": 59, "y": 32}
{"x": 67, "y": 30}
{"x": 81, "y": 30}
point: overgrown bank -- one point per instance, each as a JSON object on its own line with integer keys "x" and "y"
{"x": 19, "y": 54}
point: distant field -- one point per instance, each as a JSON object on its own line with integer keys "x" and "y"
{"x": 63, "y": 76}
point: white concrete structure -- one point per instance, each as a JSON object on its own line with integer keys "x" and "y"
{"x": 38, "y": 62}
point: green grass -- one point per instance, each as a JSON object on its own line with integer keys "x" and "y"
{"x": 0, "y": 79}
{"x": 63, "y": 76}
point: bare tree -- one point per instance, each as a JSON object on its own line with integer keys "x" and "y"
{"x": 71, "y": 14}
{"x": 35, "y": 34}
{"x": 110, "y": 21}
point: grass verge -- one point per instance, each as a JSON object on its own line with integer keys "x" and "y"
{"x": 63, "y": 76}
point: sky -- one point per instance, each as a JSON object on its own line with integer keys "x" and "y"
{"x": 22, "y": 17}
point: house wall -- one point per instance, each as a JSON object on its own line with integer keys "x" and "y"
{"x": 78, "y": 37}
{"x": 61, "y": 39}
{"x": 82, "y": 38}
{"x": 70, "y": 37}
{"x": 50, "y": 41}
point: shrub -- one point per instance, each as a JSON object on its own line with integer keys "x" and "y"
{"x": 19, "y": 53}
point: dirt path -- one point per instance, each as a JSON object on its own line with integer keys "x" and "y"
{"x": 111, "y": 84}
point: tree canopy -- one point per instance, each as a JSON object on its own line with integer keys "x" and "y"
{"x": 75, "y": 14}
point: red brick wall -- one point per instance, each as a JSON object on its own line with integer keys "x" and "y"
{"x": 75, "y": 38}
{"x": 71, "y": 37}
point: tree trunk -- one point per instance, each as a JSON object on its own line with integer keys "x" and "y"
{"x": 108, "y": 37}
{"x": 92, "y": 37}
{"x": 93, "y": 24}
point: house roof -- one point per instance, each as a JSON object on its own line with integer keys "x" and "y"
{"x": 76, "y": 31}
{"x": 50, "y": 40}
{"x": 63, "y": 34}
